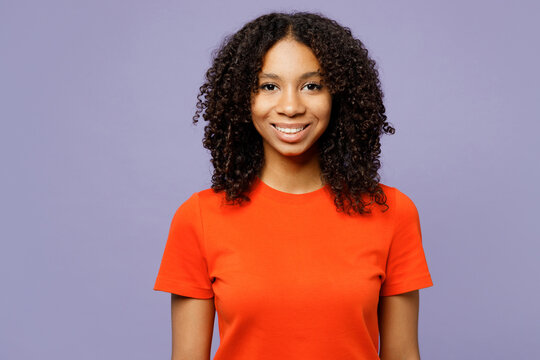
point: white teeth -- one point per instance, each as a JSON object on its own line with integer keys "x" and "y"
{"x": 289, "y": 131}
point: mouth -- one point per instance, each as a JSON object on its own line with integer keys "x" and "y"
{"x": 291, "y": 130}
{"x": 291, "y": 133}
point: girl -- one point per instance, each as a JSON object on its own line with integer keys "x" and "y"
{"x": 297, "y": 245}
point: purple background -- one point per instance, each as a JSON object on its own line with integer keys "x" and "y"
{"x": 98, "y": 151}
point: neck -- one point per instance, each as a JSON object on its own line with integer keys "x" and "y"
{"x": 293, "y": 174}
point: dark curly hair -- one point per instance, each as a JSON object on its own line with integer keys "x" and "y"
{"x": 350, "y": 146}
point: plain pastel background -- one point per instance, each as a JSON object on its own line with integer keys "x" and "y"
{"x": 98, "y": 151}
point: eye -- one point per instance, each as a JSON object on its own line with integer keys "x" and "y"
{"x": 311, "y": 86}
{"x": 314, "y": 86}
{"x": 265, "y": 86}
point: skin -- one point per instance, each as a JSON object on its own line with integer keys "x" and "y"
{"x": 398, "y": 326}
{"x": 287, "y": 96}
{"x": 290, "y": 98}
{"x": 192, "y": 327}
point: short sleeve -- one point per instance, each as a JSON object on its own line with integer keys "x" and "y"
{"x": 406, "y": 266}
{"x": 183, "y": 269}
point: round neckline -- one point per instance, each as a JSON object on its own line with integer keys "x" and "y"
{"x": 260, "y": 187}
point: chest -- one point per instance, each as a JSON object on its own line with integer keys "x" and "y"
{"x": 294, "y": 264}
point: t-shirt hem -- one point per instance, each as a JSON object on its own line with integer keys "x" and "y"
{"x": 183, "y": 289}
{"x": 417, "y": 284}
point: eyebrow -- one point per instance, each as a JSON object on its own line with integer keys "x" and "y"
{"x": 303, "y": 76}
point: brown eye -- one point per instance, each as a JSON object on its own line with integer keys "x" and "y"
{"x": 314, "y": 86}
{"x": 264, "y": 86}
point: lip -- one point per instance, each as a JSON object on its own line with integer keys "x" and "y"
{"x": 291, "y": 138}
{"x": 290, "y": 126}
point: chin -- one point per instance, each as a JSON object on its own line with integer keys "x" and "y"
{"x": 296, "y": 152}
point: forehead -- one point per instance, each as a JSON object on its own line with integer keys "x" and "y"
{"x": 289, "y": 58}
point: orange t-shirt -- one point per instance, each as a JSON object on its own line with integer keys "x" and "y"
{"x": 291, "y": 277}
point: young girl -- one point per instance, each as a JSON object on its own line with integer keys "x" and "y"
{"x": 297, "y": 245}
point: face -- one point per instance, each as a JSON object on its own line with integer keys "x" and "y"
{"x": 292, "y": 108}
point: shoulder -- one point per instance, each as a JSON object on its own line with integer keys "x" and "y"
{"x": 399, "y": 202}
{"x": 208, "y": 193}
{"x": 202, "y": 196}
{"x": 190, "y": 212}
{"x": 210, "y": 198}
{"x": 187, "y": 210}
{"x": 205, "y": 201}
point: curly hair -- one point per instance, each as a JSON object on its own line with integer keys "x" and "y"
{"x": 350, "y": 146}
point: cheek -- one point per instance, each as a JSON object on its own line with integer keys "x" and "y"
{"x": 257, "y": 117}
{"x": 257, "y": 109}
{"x": 323, "y": 109}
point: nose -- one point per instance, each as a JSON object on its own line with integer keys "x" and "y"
{"x": 290, "y": 103}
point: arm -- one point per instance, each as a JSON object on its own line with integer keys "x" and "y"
{"x": 398, "y": 326}
{"x": 192, "y": 327}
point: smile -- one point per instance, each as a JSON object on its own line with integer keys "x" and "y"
{"x": 290, "y": 131}
{"x": 293, "y": 135}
